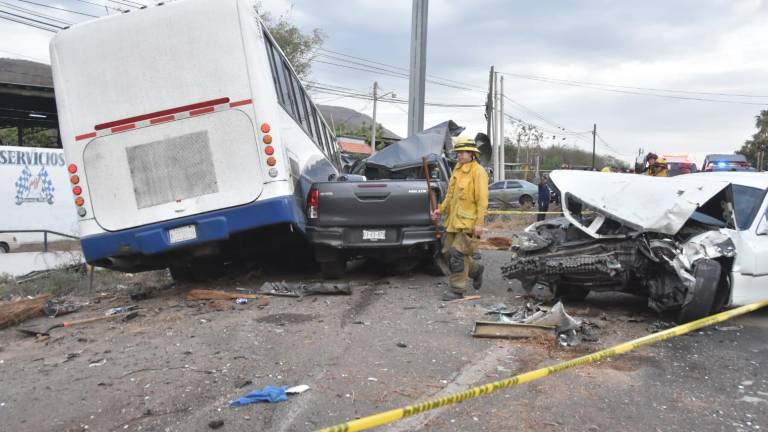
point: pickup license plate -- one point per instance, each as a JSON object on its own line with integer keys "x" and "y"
{"x": 181, "y": 234}
{"x": 374, "y": 235}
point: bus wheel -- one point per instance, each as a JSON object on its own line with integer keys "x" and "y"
{"x": 197, "y": 271}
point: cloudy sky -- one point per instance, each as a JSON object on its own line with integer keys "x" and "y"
{"x": 567, "y": 64}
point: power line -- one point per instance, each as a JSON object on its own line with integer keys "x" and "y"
{"x": 636, "y": 93}
{"x": 402, "y": 69}
{"x": 364, "y": 96}
{"x": 28, "y": 24}
{"x": 100, "y": 5}
{"x": 58, "y": 8}
{"x": 32, "y": 19}
{"x": 140, "y": 5}
{"x": 122, "y": 4}
{"x": 34, "y": 13}
{"x": 381, "y": 71}
{"x": 538, "y": 77}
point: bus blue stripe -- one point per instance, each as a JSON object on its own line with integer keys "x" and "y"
{"x": 213, "y": 226}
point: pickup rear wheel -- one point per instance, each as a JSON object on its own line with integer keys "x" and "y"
{"x": 707, "y": 274}
{"x": 571, "y": 292}
{"x": 333, "y": 269}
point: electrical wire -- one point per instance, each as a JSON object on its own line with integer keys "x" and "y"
{"x": 100, "y": 5}
{"x": 58, "y": 8}
{"x": 381, "y": 71}
{"x": 538, "y": 77}
{"x": 32, "y": 20}
{"x": 34, "y": 13}
{"x": 27, "y": 23}
{"x": 635, "y": 93}
{"x": 400, "y": 68}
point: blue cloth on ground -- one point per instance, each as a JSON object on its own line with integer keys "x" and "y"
{"x": 269, "y": 394}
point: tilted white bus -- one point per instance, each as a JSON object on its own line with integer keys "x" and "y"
{"x": 185, "y": 130}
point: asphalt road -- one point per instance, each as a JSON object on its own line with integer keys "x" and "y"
{"x": 391, "y": 343}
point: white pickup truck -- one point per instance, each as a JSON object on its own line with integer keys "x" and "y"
{"x": 691, "y": 244}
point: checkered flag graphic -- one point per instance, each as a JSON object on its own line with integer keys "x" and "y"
{"x": 47, "y": 188}
{"x": 22, "y": 185}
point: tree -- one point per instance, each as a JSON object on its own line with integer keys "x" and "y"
{"x": 759, "y": 143}
{"x": 299, "y": 47}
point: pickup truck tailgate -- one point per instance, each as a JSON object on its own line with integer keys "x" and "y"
{"x": 365, "y": 204}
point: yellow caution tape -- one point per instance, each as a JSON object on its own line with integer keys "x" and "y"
{"x": 411, "y": 410}
{"x": 503, "y": 212}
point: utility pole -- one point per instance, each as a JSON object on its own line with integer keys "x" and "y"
{"x": 493, "y": 124}
{"x": 418, "y": 67}
{"x": 502, "y": 157}
{"x": 594, "y": 136}
{"x": 373, "y": 128}
{"x": 489, "y": 108}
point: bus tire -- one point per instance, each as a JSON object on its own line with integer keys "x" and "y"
{"x": 4, "y": 248}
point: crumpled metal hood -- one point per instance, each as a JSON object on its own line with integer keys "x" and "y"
{"x": 644, "y": 203}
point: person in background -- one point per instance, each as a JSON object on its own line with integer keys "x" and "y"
{"x": 464, "y": 207}
{"x": 544, "y": 196}
{"x": 656, "y": 167}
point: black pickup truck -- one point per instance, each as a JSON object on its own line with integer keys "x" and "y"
{"x": 387, "y": 220}
{"x": 381, "y": 211}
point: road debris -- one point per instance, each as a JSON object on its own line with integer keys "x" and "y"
{"x": 20, "y": 310}
{"x": 301, "y": 289}
{"x": 496, "y": 243}
{"x": 215, "y": 424}
{"x": 532, "y": 320}
{"x": 659, "y": 326}
{"x": 241, "y": 300}
{"x": 467, "y": 298}
{"x": 269, "y": 394}
{"x": 65, "y": 324}
{"x": 299, "y": 389}
{"x": 120, "y": 310}
{"x": 53, "y": 309}
{"x": 402, "y": 345}
{"x": 729, "y": 328}
{"x": 201, "y": 294}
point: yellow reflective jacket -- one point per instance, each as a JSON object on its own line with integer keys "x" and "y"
{"x": 466, "y": 202}
{"x": 660, "y": 173}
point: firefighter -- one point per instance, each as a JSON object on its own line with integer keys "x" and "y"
{"x": 464, "y": 208}
{"x": 657, "y": 167}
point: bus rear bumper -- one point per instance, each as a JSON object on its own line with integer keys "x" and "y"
{"x": 154, "y": 239}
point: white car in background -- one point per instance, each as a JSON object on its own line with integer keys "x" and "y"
{"x": 691, "y": 244}
{"x": 7, "y": 243}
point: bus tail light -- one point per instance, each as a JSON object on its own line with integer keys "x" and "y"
{"x": 77, "y": 190}
{"x": 75, "y": 179}
{"x": 72, "y": 168}
{"x": 271, "y": 161}
{"x": 265, "y": 128}
{"x": 313, "y": 202}
{"x": 79, "y": 201}
{"x": 269, "y": 150}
